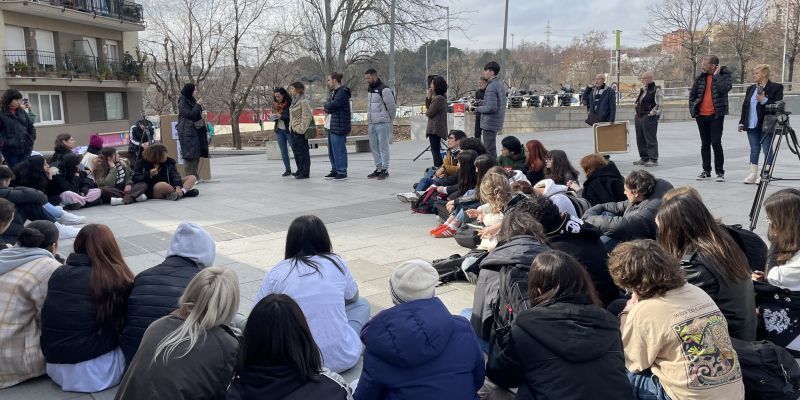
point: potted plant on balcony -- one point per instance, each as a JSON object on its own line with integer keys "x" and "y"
{"x": 18, "y": 69}
{"x": 131, "y": 13}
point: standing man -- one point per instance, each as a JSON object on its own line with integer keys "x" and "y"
{"x": 338, "y": 125}
{"x": 708, "y": 105}
{"x": 381, "y": 109}
{"x": 601, "y": 102}
{"x": 648, "y": 110}
{"x": 479, "y": 95}
{"x": 492, "y": 108}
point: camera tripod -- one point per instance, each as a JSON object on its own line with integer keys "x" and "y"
{"x": 443, "y": 145}
{"x": 781, "y": 129}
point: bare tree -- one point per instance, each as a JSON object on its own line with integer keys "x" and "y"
{"x": 689, "y": 22}
{"x": 586, "y": 57}
{"x": 740, "y": 28}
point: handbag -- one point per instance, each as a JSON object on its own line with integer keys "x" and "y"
{"x": 592, "y": 119}
{"x": 467, "y": 236}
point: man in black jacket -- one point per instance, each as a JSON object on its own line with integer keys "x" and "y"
{"x": 142, "y": 135}
{"x": 338, "y": 124}
{"x": 479, "y": 95}
{"x": 708, "y": 105}
{"x": 156, "y": 291}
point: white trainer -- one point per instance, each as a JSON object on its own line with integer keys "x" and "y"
{"x": 117, "y": 201}
{"x": 66, "y": 232}
{"x": 69, "y": 218}
{"x": 142, "y": 197}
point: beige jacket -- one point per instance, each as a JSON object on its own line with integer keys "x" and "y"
{"x": 299, "y": 115}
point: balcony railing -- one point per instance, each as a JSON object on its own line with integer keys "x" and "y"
{"x": 123, "y": 10}
{"x": 30, "y": 63}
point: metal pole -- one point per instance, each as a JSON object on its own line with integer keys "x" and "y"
{"x": 426, "y": 67}
{"x": 391, "y": 49}
{"x": 505, "y": 36}
{"x": 785, "y": 39}
{"x": 510, "y": 60}
{"x": 619, "y": 51}
{"x": 447, "y": 54}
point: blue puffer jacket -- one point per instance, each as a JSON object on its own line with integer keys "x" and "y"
{"x": 418, "y": 350}
{"x": 493, "y": 108}
{"x": 339, "y": 109}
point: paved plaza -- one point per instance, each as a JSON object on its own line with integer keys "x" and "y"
{"x": 248, "y": 206}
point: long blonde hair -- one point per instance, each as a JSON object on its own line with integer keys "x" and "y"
{"x": 495, "y": 191}
{"x": 211, "y": 299}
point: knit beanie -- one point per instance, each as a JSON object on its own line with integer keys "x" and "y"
{"x": 512, "y": 144}
{"x": 413, "y": 280}
{"x": 95, "y": 141}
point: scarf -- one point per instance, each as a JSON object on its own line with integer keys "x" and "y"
{"x": 120, "y": 174}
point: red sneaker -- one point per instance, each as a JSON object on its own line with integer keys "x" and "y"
{"x": 445, "y": 233}
{"x": 438, "y": 228}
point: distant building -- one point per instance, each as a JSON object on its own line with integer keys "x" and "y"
{"x": 775, "y": 11}
{"x": 671, "y": 42}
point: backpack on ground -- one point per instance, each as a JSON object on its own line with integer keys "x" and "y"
{"x": 449, "y": 269}
{"x": 768, "y": 371}
{"x": 581, "y": 205}
{"x": 753, "y": 246}
{"x": 426, "y": 203}
{"x": 512, "y": 299}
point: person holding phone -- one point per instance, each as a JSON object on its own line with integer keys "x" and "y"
{"x": 708, "y": 105}
{"x": 280, "y": 116}
{"x": 17, "y": 133}
{"x": 761, "y": 93}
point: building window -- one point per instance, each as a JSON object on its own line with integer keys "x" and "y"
{"x": 47, "y": 106}
{"x": 114, "y": 107}
{"x": 106, "y": 106}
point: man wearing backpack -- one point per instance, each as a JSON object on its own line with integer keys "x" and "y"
{"x": 381, "y": 109}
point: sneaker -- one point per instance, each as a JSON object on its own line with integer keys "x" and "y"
{"x": 191, "y": 193}
{"x": 116, "y": 201}
{"x": 374, "y": 174}
{"x": 640, "y": 162}
{"x": 409, "y": 197}
{"x": 295, "y": 173}
{"x": 438, "y": 228}
{"x": 445, "y": 233}
{"x": 651, "y": 163}
{"x": 720, "y": 178}
{"x": 703, "y": 176}
{"x": 173, "y": 196}
{"x": 301, "y": 177}
{"x": 287, "y": 173}
{"x": 66, "y": 232}
{"x": 340, "y": 177}
{"x": 142, "y": 197}
{"x": 330, "y": 176}
{"x": 383, "y": 175}
{"x": 69, "y": 218}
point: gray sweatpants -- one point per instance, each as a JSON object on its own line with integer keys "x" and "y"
{"x": 489, "y": 141}
{"x": 646, "y": 140}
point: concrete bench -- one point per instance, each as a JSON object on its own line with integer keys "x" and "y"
{"x": 361, "y": 144}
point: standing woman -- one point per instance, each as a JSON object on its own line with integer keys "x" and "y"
{"x": 115, "y": 179}
{"x": 160, "y": 173}
{"x": 63, "y": 146}
{"x": 84, "y": 312}
{"x": 436, "y": 105}
{"x": 280, "y": 110}
{"x": 17, "y": 133}
{"x": 191, "y": 129}
{"x": 300, "y": 120}
{"x": 758, "y": 95}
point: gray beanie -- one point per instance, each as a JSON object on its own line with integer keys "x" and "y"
{"x": 191, "y": 241}
{"x": 413, "y": 280}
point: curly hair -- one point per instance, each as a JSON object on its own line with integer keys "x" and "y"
{"x": 645, "y": 268}
{"x": 495, "y": 191}
{"x": 439, "y": 86}
{"x": 641, "y": 182}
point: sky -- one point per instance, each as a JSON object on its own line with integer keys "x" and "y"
{"x": 483, "y": 25}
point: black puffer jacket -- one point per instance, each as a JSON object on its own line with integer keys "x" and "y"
{"x": 339, "y": 109}
{"x": 564, "y": 349}
{"x": 284, "y": 383}
{"x": 582, "y": 241}
{"x": 194, "y": 142}
{"x": 630, "y": 221}
{"x": 70, "y": 332}
{"x": 17, "y": 133}
{"x": 167, "y": 173}
{"x": 22, "y": 197}
{"x": 154, "y": 294}
{"x": 736, "y": 299}
{"x": 605, "y": 185}
{"x": 721, "y": 84}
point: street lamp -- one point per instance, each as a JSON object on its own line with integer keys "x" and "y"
{"x": 392, "y": 77}
{"x": 426, "y": 66}
{"x": 505, "y": 36}
{"x": 447, "y": 8}
{"x": 785, "y": 38}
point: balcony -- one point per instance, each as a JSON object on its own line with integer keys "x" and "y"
{"x": 113, "y": 14}
{"x": 45, "y": 64}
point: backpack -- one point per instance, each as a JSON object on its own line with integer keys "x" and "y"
{"x": 768, "y": 370}
{"x": 427, "y": 202}
{"x": 581, "y": 205}
{"x": 512, "y": 299}
{"x": 449, "y": 269}
{"x": 778, "y": 315}
{"x": 751, "y": 244}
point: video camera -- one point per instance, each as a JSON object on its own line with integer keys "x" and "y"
{"x": 776, "y": 108}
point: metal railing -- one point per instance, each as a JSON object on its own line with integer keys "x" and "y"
{"x": 30, "y": 63}
{"x": 123, "y": 10}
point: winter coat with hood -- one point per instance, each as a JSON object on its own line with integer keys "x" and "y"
{"x": 565, "y": 349}
{"x": 630, "y": 221}
{"x": 721, "y": 84}
{"x": 23, "y": 198}
{"x": 437, "y": 117}
{"x": 493, "y": 106}
{"x": 17, "y": 133}
{"x": 193, "y": 140}
{"x": 339, "y": 109}
{"x": 512, "y": 161}
{"x": 24, "y": 273}
{"x": 558, "y": 195}
{"x": 381, "y": 104}
{"x": 581, "y": 240}
{"x": 282, "y": 382}
{"x": 70, "y": 178}
{"x": 605, "y": 185}
{"x": 155, "y": 291}
{"x": 519, "y": 251}
{"x": 168, "y": 172}
{"x": 418, "y": 350}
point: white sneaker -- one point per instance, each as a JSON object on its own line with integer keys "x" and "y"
{"x": 69, "y": 218}
{"x": 142, "y": 197}
{"x": 117, "y": 201}
{"x": 66, "y": 232}
{"x": 407, "y": 197}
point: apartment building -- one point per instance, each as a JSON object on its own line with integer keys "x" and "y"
{"x": 75, "y": 60}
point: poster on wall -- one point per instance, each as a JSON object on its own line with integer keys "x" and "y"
{"x": 174, "y": 130}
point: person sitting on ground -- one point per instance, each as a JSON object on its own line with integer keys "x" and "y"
{"x": 7, "y": 212}
{"x": 190, "y": 353}
{"x": 783, "y": 214}
{"x": 447, "y": 174}
{"x": 461, "y": 198}
{"x": 494, "y": 194}
{"x": 322, "y": 285}
{"x": 417, "y": 349}
{"x": 160, "y": 173}
{"x": 559, "y": 169}
{"x": 473, "y": 144}
{"x": 604, "y": 183}
{"x": 24, "y": 272}
{"x": 115, "y": 179}
{"x": 512, "y": 154}
{"x": 709, "y": 258}
{"x": 278, "y": 358}
{"x": 84, "y": 312}
{"x": 535, "y": 158}
{"x": 64, "y": 145}
{"x": 35, "y": 173}
{"x": 557, "y": 194}
{"x": 156, "y": 291}
{"x": 92, "y": 151}
{"x": 142, "y": 136}
{"x": 577, "y": 238}
{"x": 634, "y": 218}
{"x": 563, "y": 335}
{"x": 75, "y": 188}
{"x": 675, "y": 338}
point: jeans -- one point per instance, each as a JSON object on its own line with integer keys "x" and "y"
{"x": 426, "y": 181}
{"x": 490, "y": 142}
{"x": 284, "y": 141}
{"x": 13, "y": 159}
{"x": 301, "y": 155}
{"x": 357, "y": 314}
{"x": 646, "y": 140}
{"x": 759, "y": 141}
{"x": 436, "y": 150}
{"x": 380, "y": 135}
{"x": 54, "y": 211}
{"x": 711, "y": 136}
{"x": 647, "y": 387}
{"x": 337, "y": 152}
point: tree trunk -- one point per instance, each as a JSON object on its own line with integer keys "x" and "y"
{"x": 235, "y": 131}
{"x": 790, "y": 66}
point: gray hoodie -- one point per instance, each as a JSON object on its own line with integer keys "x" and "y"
{"x": 557, "y": 194}
{"x": 14, "y": 257}
{"x": 193, "y": 242}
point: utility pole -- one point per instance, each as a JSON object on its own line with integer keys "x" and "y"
{"x": 619, "y": 50}
{"x": 447, "y": 73}
{"x": 426, "y": 67}
{"x": 547, "y": 33}
{"x": 505, "y": 36}
{"x": 785, "y": 39}
{"x": 392, "y": 77}
{"x": 511, "y": 59}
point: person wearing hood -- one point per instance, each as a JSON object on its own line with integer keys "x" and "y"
{"x": 156, "y": 291}
{"x": 436, "y": 111}
{"x": 17, "y": 133}
{"x": 708, "y": 105}
{"x": 279, "y": 359}
{"x": 381, "y": 110}
{"x": 339, "y": 125}
{"x": 192, "y": 133}
{"x": 417, "y": 349}
{"x": 565, "y": 346}
{"x": 24, "y": 272}
{"x": 557, "y": 194}
{"x": 512, "y": 154}
{"x": 604, "y": 183}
